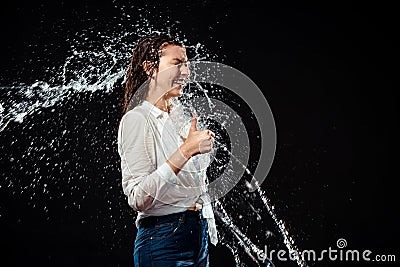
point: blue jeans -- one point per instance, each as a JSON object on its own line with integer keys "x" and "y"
{"x": 173, "y": 240}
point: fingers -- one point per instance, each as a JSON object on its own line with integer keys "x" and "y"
{"x": 193, "y": 127}
{"x": 212, "y": 140}
{"x": 206, "y": 145}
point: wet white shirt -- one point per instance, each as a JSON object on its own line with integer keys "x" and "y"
{"x": 147, "y": 137}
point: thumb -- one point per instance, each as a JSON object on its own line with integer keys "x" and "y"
{"x": 193, "y": 127}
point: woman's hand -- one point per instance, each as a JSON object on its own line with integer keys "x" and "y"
{"x": 197, "y": 141}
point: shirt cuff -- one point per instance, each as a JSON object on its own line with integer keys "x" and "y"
{"x": 166, "y": 172}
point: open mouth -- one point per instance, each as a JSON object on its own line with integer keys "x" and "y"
{"x": 179, "y": 81}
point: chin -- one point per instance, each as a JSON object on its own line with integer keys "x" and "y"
{"x": 175, "y": 92}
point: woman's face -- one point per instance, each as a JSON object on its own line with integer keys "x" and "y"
{"x": 172, "y": 70}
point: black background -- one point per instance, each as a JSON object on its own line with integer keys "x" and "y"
{"x": 327, "y": 71}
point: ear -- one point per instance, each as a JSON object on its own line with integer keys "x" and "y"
{"x": 146, "y": 66}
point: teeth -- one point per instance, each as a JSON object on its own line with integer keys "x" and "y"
{"x": 180, "y": 81}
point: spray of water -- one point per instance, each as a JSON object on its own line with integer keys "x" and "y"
{"x": 102, "y": 69}
{"x": 244, "y": 241}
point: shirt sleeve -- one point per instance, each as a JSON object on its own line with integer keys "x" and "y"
{"x": 142, "y": 181}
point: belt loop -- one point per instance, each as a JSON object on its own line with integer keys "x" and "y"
{"x": 182, "y": 217}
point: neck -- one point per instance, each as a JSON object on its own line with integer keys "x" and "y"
{"x": 163, "y": 103}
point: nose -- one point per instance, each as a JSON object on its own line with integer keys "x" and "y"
{"x": 184, "y": 69}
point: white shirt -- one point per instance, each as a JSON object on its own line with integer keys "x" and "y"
{"x": 147, "y": 137}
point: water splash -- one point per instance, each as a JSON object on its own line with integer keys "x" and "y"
{"x": 91, "y": 69}
{"x": 54, "y": 165}
{"x": 222, "y": 144}
{"x": 243, "y": 240}
{"x": 288, "y": 240}
{"x": 294, "y": 251}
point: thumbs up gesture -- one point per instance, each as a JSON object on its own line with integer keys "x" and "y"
{"x": 197, "y": 141}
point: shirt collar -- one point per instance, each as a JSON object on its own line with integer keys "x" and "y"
{"x": 155, "y": 111}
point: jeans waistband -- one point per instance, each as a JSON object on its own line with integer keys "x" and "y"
{"x": 152, "y": 220}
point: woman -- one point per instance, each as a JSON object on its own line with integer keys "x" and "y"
{"x": 160, "y": 172}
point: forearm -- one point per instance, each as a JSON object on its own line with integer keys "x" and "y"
{"x": 142, "y": 190}
{"x": 179, "y": 158}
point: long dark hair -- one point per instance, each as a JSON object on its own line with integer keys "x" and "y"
{"x": 147, "y": 49}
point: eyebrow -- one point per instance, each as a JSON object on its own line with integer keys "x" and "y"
{"x": 179, "y": 60}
